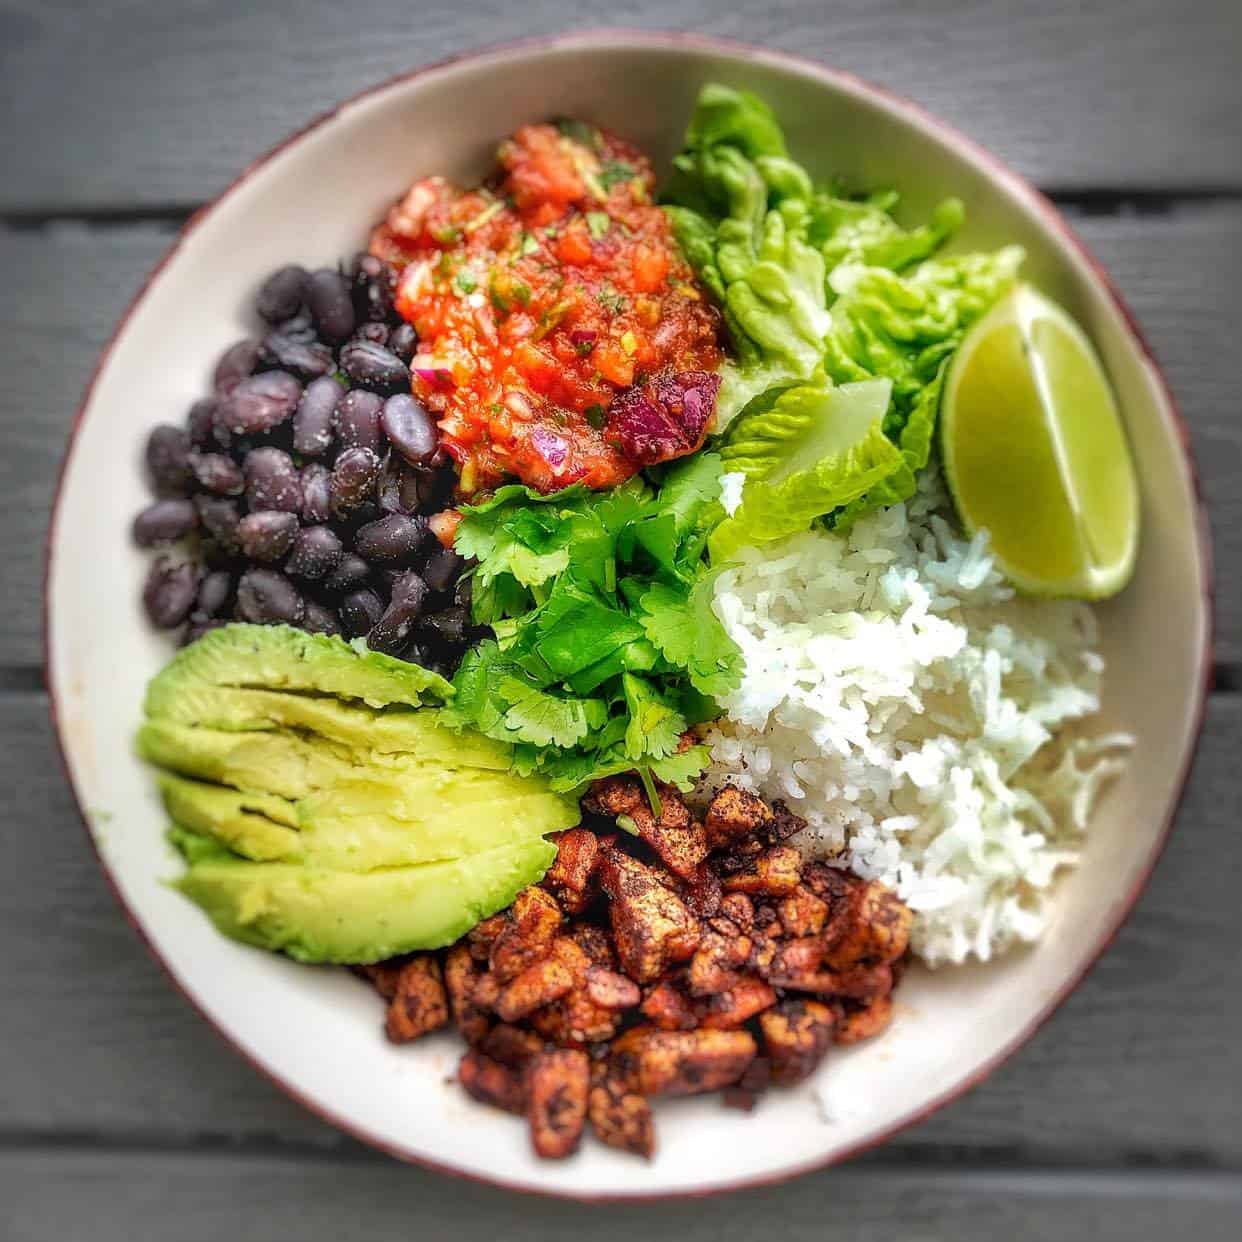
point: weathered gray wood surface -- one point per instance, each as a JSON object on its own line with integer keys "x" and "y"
{"x": 121, "y": 1114}
{"x": 156, "y": 102}
{"x": 249, "y": 1199}
{"x": 1181, "y": 271}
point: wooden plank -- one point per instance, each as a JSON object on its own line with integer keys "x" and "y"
{"x": 143, "y": 101}
{"x": 1134, "y": 1068}
{"x": 186, "y": 1198}
{"x": 1181, "y": 272}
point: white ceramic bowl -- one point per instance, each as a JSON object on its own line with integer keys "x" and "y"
{"x": 312, "y": 200}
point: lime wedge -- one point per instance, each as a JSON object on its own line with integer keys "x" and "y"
{"x": 1034, "y": 451}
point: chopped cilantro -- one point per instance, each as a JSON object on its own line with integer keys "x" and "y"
{"x": 613, "y": 172}
{"x": 596, "y": 416}
{"x": 607, "y": 648}
{"x": 521, "y": 293}
{"x": 597, "y": 223}
{"x": 528, "y": 245}
{"x": 465, "y": 281}
{"x": 611, "y": 300}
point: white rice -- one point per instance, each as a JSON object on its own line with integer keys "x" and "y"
{"x": 900, "y": 698}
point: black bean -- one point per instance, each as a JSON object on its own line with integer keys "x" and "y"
{"x": 219, "y": 518}
{"x": 410, "y": 590}
{"x": 272, "y": 481}
{"x": 214, "y": 593}
{"x": 299, "y": 327}
{"x": 281, "y": 294}
{"x": 448, "y": 626}
{"x": 316, "y": 552}
{"x": 442, "y": 569}
{"x": 373, "y": 366}
{"x": 402, "y": 341}
{"x": 397, "y": 490}
{"x": 353, "y": 479}
{"x": 169, "y": 592}
{"x": 360, "y": 610}
{"x": 167, "y": 450}
{"x": 374, "y": 283}
{"x": 312, "y": 424}
{"x": 391, "y": 633}
{"x": 265, "y": 597}
{"x": 375, "y": 333}
{"x": 436, "y": 486}
{"x": 259, "y": 403}
{"x": 350, "y": 573}
{"x": 305, "y": 359}
{"x": 392, "y": 538}
{"x": 320, "y": 620}
{"x": 357, "y": 420}
{"x": 217, "y": 473}
{"x": 332, "y": 308}
{"x": 165, "y": 521}
{"x": 201, "y": 423}
{"x": 267, "y": 535}
{"x": 316, "y": 492}
{"x": 409, "y": 428}
{"x": 237, "y": 362}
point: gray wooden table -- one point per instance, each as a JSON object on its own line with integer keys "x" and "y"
{"x": 121, "y": 1115}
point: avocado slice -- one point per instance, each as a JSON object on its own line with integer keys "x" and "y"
{"x": 340, "y": 916}
{"x": 394, "y": 730}
{"x": 433, "y": 814}
{"x": 362, "y": 825}
{"x": 277, "y": 763}
{"x": 259, "y": 826}
{"x": 278, "y": 657}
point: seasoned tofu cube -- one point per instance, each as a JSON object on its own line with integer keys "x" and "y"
{"x": 774, "y": 873}
{"x": 461, "y": 972}
{"x": 865, "y": 1021}
{"x": 489, "y": 1082}
{"x": 622, "y": 1118}
{"x": 557, "y": 1085}
{"x": 734, "y": 814}
{"x": 420, "y": 1004}
{"x": 796, "y": 1035}
{"x": 651, "y": 925}
{"x": 654, "y": 1062}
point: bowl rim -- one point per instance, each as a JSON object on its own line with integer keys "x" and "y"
{"x": 629, "y": 38}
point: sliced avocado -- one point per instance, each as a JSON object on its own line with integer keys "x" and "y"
{"x": 258, "y": 826}
{"x": 434, "y": 814}
{"x": 337, "y": 916}
{"x": 193, "y": 846}
{"x": 278, "y": 763}
{"x": 278, "y": 657}
{"x": 363, "y": 825}
{"x": 394, "y": 730}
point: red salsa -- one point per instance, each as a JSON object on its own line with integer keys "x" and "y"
{"x": 539, "y": 301}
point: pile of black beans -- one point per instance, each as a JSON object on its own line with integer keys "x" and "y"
{"x": 305, "y": 489}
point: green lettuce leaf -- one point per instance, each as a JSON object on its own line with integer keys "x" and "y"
{"x": 814, "y": 449}
{"x": 847, "y": 230}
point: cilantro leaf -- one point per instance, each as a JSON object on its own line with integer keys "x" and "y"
{"x": 655, "y": 726}
{"x": 687, "y": 633}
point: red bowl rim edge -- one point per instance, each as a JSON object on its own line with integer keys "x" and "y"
{"x": 1023, "y": 190}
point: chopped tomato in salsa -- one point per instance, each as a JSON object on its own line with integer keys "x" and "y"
{"x": 539, "y": 301}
